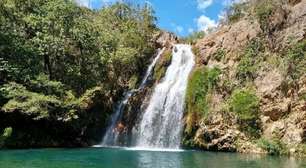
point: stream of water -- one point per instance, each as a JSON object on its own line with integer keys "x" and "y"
{"x": 161, "y": 124}
{"x": 111, "y": 136}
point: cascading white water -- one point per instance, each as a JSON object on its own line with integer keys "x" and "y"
{"x": 111, "y": 136}
{"x": 161, "y": 125}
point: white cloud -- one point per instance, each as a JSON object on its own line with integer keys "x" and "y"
{"x": 190, "y": 30}
{"x": 179, "y": 29}
{"x": 230, "y": 2}
{"x": 203, "y": 4}
{"x": 222, "y": 15}
{"x": 85, "y": 3}
{"x": 88, "y": 3}
{"x": 205, "y": 23}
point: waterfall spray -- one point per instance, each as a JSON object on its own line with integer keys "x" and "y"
{"x": 161, "y": 125}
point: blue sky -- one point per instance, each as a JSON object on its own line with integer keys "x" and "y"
{"x": 179, "y": 16}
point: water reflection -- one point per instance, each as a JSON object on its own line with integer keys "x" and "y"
{"x": 159, "y": 159}
{"x": 233, "y": 160}
{"x": 131, "y": 158}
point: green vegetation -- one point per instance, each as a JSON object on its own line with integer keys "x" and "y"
{"x": 59, "y": 62}
{"x": 245, "y": 104}
{"x": 7, "y": 132}
{"x": 249, "y": 60}
{"x": 235, "y": 12}
{"x": 263, "y": 11}
{"x": 273, "y": 147}
{"x": 28, "y": 102}
{"x": 296, "y": 58}
{"x": 201, "y": 83}
{"x": 163, "y": 63}
{"x": 219, "y": 55}
{"x": 303, "y": 96}
{"x": 196, "y": 52}
{"x": 73, "y": 45}
{"x": 193, "y": 37}
{"x": 301, "y": 149}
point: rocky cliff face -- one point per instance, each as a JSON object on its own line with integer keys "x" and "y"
{"x": 265, "y": 55}
{"x": 137, "y": 103}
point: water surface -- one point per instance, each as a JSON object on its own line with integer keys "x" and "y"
{"x": 122, "y": 158}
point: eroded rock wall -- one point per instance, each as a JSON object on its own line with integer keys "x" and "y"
{"x": 282, "y": 109}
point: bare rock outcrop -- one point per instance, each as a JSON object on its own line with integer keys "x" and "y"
{"x": 230, "y": 38}
{"x": 165, "y": 39}
{"x": 218, "y": 133}
{"x": 282, "y": 102}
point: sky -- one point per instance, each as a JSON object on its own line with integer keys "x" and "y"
{"x": 179, "y": 16}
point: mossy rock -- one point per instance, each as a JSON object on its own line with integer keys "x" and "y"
{"x": 162, "y": 65}
{"x": 202, "y": 82}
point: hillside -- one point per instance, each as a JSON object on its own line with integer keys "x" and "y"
{"x": 63, "y": 67}
{"x": 248, "y": 90}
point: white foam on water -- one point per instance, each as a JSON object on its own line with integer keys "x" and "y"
{"x": 140, "y": 149}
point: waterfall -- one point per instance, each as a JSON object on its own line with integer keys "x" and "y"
{"x": 161, "y": 125}
{"x": 111, "y": 136}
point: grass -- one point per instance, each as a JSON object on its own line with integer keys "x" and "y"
{"x": 273, "y": 147}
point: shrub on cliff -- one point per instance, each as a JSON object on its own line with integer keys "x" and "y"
{"x": 235, "y": 12}
{"x": 263, "y": 11}
{"x": 249, "y": 60}
{"x": 245, "y": 104}
{"x": 193, "y": 37}
{"x": 273, "y": 147}
{"x": 296, "y": 56}
{"x": 219, "y": 55}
